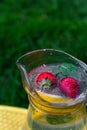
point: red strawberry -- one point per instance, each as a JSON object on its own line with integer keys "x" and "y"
{"x": 70, "y": 87}
{"x": 45, "y": 80}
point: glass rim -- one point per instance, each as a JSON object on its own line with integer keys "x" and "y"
{"x": 44, "y": 50}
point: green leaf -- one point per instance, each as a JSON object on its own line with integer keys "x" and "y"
{"x": 58, "y": 119}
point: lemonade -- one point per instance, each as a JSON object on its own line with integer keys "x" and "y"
{"x": 70, "y": 121}
{"x": 56, "y": 84}
{"x": 41, "y": 117}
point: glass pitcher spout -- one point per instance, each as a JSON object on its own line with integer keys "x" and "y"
{"x": 24, "y": 76}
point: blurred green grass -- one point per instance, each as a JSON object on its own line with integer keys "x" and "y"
{"x": 28, "y": 25}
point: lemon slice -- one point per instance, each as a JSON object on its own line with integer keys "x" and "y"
{"x": 53, "y": 98}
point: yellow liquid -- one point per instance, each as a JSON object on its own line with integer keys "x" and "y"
{"x": 38, "y": 120}
{"x": 73, "y": 118}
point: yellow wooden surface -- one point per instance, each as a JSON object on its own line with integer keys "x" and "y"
{"x": 12, "y": 118}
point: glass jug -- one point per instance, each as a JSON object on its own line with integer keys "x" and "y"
{"x": 56, "y": 86}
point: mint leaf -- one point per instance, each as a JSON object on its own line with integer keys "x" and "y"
{"x": 58, "y": 119}
{"x": 69, "y": 70}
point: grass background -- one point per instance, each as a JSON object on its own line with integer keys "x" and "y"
{"x": 29, "y": 25}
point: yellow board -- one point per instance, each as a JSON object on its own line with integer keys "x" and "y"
{"x": 12, "y": 118}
